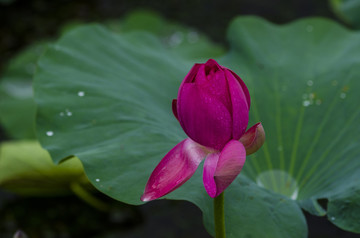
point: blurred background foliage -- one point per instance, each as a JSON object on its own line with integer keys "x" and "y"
{"x": 25, "y": 28}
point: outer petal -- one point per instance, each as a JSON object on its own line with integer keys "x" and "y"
{"x": 220, "y": 169}
{"x": 212, "y": 80}
{"x": 189, "y": 78}
{"x": 253, "y": 139}
{"x": 203, "y": 117}
{"x": 243, "y": 86}
{"x": 174, "y": 108}
{"x": 178, "y": 165}
{"x": 240, "y": 108}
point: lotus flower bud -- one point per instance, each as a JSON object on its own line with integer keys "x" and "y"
{"x": 212, "y": 105}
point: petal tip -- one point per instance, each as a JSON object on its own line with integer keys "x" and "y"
{"x": 146, "y": 198}
{"x": 253, "y": 138}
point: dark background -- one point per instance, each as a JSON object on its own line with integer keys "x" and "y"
{"x": 23, "y": 22}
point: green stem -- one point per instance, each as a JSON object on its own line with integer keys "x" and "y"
{"x": 219, "y": 216}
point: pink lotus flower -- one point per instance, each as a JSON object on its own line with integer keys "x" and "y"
{"x": 213, "y": 109}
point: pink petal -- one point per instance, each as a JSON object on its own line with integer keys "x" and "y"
{"x": 174, "y": 108}
{"x": 243, "y": 86}
{"x": 178, "y": 165}
{"x": 220, "y": 169}
{"x": 240, "y": 108}
{"x": 253, "y": 138}
{"x": 211, "y": 79}
{"x": 189, "y": 78}
{"x": 203, "y": 117}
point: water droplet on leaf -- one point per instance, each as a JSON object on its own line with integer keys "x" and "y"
{"x": 192, "y": 37}
{"x": 280, "y": 182}
{"x": 176, "y": 39}
{"x": 309, "y": 28}
{"x": 306, "y": 103}
{"x": 81, "y": 93}
{"x": 49, "y": 133}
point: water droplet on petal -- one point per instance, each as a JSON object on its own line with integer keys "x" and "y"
{"x": 81, "y": 93}
{"x": 49, "y": 133}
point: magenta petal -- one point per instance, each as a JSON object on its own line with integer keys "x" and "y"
{"x": 189, "y": 78}
{"x": 174, "y": 108}
{"x": 178, "y": 165}
{"x": 220, "y": 169}
{"x": 240, "y": 108}
{"x": 203, "y": 117}
{"x": 243, "y": 86}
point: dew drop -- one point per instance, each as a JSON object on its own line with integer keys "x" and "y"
{"x": 310, "y": 83}
{"x": 342, "y": 95}
{"x": 176, "y": 39}
{"x": 81, "y": 93}
{"x": 279, "y": 182}
{"x": 49, "y": 133}
{"x": 333, "y": 218}
{"x": 97, "y": 180}
{"x": 192, "y": 37}
{"x": 309, "y": 28}
{"x": 68, "y": 112}
{"x": 306, "y": 103}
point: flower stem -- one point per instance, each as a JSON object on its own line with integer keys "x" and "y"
{"x": 219, "y": 216}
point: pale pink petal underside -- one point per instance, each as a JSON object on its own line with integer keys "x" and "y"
{"x": 220, "y": 169}
{"x": 253, "y": 138}
{"x": 178, "y": 165}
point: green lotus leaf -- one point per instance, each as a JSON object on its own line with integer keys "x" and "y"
{"x": 347, "y": 10}
{"x": 106, "y": 99}
{"x": 27, "y": 169}
{"x": 184, "y": 41}
{"x": 17, "y": 106}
